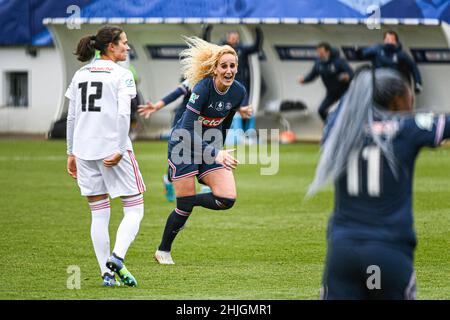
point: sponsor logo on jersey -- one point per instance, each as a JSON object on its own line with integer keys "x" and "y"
{"x": 101, "y": 69}
{"x": 425, "y": 121}
{"x": 210, "y": 106}
{"x": 129, "y": 83}
{"x": 219, "y": 106}
{"x": 210, "y": 122}
{"x": 193, "y": 97}
{"x": 386, "y": 128}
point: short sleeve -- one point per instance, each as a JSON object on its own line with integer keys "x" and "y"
{"x": 428, "y": 129}
{"x": 198, "y": 98}
{"x": 70, "y": 94}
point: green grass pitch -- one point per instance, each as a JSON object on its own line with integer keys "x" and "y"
{"x": 271, "y": 245}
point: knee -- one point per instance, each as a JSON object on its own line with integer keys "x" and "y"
{"x": 225, "y": 203}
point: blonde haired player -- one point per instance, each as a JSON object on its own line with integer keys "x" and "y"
{"x": 210, "y": 70}
{"x": 100, "y": 154}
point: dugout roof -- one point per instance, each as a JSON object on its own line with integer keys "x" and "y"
{"x": 24, "y": 21}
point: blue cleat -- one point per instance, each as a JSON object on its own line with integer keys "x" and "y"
{"x": 170, "y": 193}
{"x": 109, "y": 280}
{"x": 115, "y": 264}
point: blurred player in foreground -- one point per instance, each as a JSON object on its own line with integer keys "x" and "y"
{"x": 370, "y": 146}
{"x": 100, "y": 154}
{"x": 196, "y": 142}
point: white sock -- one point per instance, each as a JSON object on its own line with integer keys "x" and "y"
{"x": 133, "y": 211}
{"x": 101, "y": 212}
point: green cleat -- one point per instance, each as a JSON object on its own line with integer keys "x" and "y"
{"x": 115, "y": 264}
{"x": 127, "y": 278}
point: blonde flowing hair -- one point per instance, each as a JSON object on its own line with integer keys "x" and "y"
{"x": 199, "y": 60}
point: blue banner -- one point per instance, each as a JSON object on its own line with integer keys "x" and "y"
{"x": 22, "y": 19}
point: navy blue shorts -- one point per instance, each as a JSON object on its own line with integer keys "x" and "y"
{"x": 183, "y": 170}
{"x": 180, "y": 171}
{"x": 366, "y": 270}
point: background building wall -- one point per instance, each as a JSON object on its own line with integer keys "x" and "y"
{"x": 45, "y": 90}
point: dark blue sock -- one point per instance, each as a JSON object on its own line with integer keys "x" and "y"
{"x": 176, "y": 221}
{"x": 174, "y": 224}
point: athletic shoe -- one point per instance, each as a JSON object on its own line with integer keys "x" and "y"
{"x": 170, "y": 193}
{"x": 109, "y": 280}
{"x": 116, "y": 265}
{"x": 163, "y": 257}
{"x": 205, "y": 189}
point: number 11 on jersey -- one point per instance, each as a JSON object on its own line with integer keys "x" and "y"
{"x": 372, "y": 155}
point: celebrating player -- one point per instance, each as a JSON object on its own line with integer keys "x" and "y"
{"x": 370, "y": 147}
{"x": 210, "y": 70}
{"x": 100, "y": 154}
{"x": 182, "y": 90}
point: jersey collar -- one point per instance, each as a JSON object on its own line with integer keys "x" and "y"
{"x": 217, "y": 90}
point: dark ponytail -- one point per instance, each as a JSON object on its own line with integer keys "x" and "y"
{"x": 88, "y": 44}
{"x": 85, "y": 49}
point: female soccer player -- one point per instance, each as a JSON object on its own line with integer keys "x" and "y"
{"x": 100, "y": 154}
{"x": 182, "y": 90}
{"x": 197, "y": 138}
{"x": 370, "y": 147}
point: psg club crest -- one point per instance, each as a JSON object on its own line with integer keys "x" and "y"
{"x": 219, "y": 106}
{"x": 228, "y": 106}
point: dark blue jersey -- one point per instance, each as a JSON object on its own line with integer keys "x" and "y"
{"x": 331, "y": 72}
{"x": 212, "y": 109}
{"x": 371, "y": 203}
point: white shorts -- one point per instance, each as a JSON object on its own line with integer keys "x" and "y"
{"x": 124, "y": 179}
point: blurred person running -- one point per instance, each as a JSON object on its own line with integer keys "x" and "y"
{"x": 335, "y": 73}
